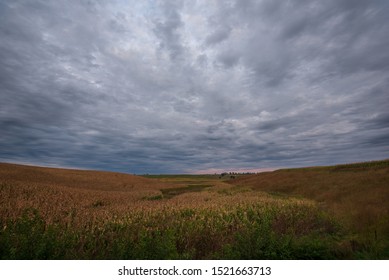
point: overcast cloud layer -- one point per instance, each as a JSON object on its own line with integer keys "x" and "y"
{"x": 193, "y": 86}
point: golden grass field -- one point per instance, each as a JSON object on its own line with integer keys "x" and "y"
{"x": 308, "y": 213}
{"x": 356, "y": 193}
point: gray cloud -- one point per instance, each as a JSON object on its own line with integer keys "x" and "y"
{"x": 219, "y": 35}
{"x": 167, "y": 29}
{"x": 183, "y": 86}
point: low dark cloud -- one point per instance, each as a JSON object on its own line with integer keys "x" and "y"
{"x": 183, "y": 86}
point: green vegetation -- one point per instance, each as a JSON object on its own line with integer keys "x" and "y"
{"x": 259, "y": 231}
{"x": 170, "y": 192}
{"x": 295, "y": 231}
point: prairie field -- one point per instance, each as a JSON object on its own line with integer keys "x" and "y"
{"x": 335, "y": 212}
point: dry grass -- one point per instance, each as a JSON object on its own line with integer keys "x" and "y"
{"x": 72, "y": 178}
{"x": 283, "y": 212}
{"x": 78, "y": 197}
{"x": 358, "y": 194}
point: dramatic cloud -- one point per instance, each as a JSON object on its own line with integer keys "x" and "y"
{"x": 190, "y": 86}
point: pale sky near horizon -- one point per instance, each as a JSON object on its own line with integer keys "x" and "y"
{"x": 193, "y": 86}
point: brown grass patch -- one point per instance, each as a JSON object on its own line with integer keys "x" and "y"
{"x": 358, "y": 194}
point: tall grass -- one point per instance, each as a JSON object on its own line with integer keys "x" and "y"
{"x": 253, "y": 231}
{"x": 356, "y": 195}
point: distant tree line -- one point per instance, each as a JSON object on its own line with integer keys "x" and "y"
{"x": 233, "y": 175}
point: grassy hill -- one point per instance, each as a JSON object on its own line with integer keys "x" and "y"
{"x": 336, "y": 212}
{"x": 60, "y": 193}
{"x": 356, "y": 194}
{"x": 73, "y": 178}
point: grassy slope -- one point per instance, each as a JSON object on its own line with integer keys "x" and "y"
{"x": 60, "y": 193}
{"x": 358, "y": 194}
{"x": 80, "y": 179}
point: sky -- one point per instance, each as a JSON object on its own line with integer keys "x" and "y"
{"x": 193, "y": 86}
